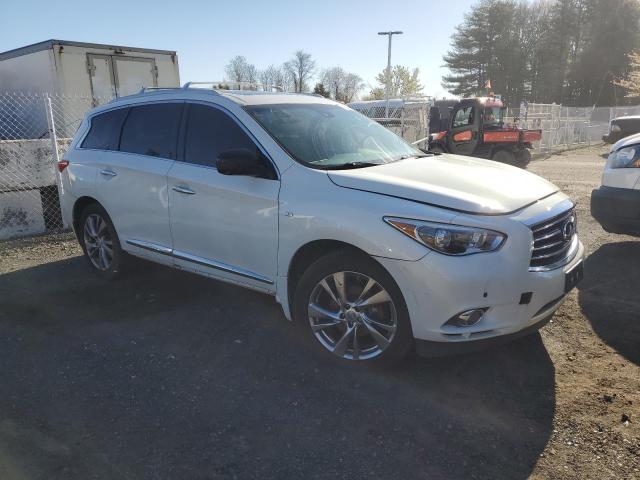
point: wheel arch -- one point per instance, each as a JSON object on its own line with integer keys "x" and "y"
{"x": 309, "y": 253}
{"x": 78, "y": 207}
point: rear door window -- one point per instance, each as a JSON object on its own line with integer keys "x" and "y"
{"x": 104, "y": 133}
{"x": 152, "y": 130}
{"x": 210, "y": 131}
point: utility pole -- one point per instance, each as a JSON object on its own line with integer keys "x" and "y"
{"x": 388, "y": 88}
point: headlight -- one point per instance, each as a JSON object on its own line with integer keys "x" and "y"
{"x": 615, "y": 128}
{"x": 625, "y": 157}
{"x": 449, "y": 239}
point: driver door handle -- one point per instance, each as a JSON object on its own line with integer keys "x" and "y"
{"x": 107, "y": 172}
{"x": 183, "y": 189}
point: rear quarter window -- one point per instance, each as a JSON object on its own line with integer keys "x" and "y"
{"x": 104, "y": 133}
{"x": 152, "y": 130}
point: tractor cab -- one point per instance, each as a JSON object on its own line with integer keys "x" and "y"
{"x": 477, "y": 128}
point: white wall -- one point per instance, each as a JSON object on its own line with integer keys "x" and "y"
{"x": 28, "y": 73}
{"x": 25, "y": 167}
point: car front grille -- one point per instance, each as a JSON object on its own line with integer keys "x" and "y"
{"x": 554, "y": 240}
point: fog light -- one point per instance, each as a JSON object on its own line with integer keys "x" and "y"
{"x": 467, "y": 318}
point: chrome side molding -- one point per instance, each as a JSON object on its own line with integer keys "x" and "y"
{"x": 221, "y": 266}
{"x": 150, "y": 246}
{"x": 153, "y": 247}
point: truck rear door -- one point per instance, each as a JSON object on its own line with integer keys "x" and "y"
{"x": 133, "y": 73}
{"x": 115, "y": 76}
{"x": 103, "y": 83}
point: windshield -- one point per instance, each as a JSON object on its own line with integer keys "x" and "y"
{"x": 331, "y": 136}
{"x": 492, "y": 116}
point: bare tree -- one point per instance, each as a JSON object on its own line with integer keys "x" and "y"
{"x": 353, "y": 84}
{"x": 252, "y": 73}
{"x": 342, "y": 86}
{"x": 300, "y": 69}
{"x": 333, "y": 79}
{"x": 238, "y": 70}
{"x": 273, "y": 75}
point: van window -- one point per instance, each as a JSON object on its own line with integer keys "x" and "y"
{"x": 463, "y": 117}
{"x": 152, "y": 130}
{"x": 104, "y": 133}
{"x": 209, "y": 132}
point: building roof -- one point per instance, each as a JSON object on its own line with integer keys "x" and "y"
{"x": 48, "y": 44}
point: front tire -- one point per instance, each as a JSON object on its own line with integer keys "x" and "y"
{"x": 351, "y": 308}
{"x": 100, "y": 243}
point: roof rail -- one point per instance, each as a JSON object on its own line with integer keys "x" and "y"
{"x": 152, "y": 89}
{"x": 225, "y": 85}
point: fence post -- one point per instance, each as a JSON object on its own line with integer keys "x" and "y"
{"x": 52, "y": 130}
{"x": 55, "y": 205}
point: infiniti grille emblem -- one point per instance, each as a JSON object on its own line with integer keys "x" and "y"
{"x": 568, "y": 229}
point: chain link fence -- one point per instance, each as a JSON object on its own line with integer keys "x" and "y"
{"x": 30, "y": 126}
{"x": 564, "y": 128}
{"x": 408, "y": 118}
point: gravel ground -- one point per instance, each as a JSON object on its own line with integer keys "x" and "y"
{"x": 168, "y": 375}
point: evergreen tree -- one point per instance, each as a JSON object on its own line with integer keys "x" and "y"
{"x": 631, "y": 82}
{"x": 320, "y": 90}
{"x": 562, "y": 51}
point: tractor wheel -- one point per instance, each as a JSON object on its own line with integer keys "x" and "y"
{"x": 523, "y": 158}
{"x": 504, "y": 156}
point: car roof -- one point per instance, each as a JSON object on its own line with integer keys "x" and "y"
{"x": 241, "y": 97}
{"x": 626, "y": 142}
{"x": 627, "y": 117}
{"x": 248, "y": 97}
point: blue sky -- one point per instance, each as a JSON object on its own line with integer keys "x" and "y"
{"x": 207, "y": 34}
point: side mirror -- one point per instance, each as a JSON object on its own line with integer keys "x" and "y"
{"x": 240, "y": 161}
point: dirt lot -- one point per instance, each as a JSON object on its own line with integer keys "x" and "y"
{"x": 168, "y": 375}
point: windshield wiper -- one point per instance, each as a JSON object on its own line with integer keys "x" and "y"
{"x": 419, "y": 155}
{"x": 351, "y": 165}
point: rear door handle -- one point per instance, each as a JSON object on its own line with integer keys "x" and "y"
{"x": 108, "y": 172}
{"x": 183, "y": 189}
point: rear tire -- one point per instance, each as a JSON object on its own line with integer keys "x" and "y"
{"x": 523, "y": 158}
{"x": 504, "y": 156}
{"x": 100, "y": 243}
{"x": 351, "y": 310}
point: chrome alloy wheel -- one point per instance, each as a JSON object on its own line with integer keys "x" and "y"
{"x": 98, "y": 242}
{"x": 352, "y": 315}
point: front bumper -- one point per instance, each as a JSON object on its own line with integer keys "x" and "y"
{"x": 617, "y": 209}
{"x": 438, "y": 287}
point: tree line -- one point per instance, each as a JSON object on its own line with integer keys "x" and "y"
{"x": 573, "y": 52}
{"x": 297, "y": 73}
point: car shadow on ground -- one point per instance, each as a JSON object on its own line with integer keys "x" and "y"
{"x": 169, "y": 375}
{"x": 609, "y": 299}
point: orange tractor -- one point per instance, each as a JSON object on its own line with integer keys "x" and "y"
{"x": 475, "y": 127}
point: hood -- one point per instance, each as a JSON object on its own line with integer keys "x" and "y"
{"x": 626, "y": 142}
{"x": 451, "y": 181}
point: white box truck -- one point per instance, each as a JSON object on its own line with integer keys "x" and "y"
{"x": 77, "y": 76}
{"x": 76, "y": 68}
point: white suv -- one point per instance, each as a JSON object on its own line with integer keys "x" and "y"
{"x": 370, "y": 244}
